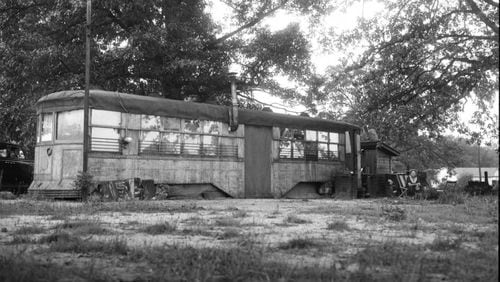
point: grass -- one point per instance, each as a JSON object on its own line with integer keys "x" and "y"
{"x": 381, "y": 248}
{"x": 25, "y": 269}
{"x": 25, "y": 230}
{"x": 240, "y": 214}
{"x": 299, "y": 243}
{"x": 338, "y": 225}
{"x": 229, "y": 233}
{"x": 83, "y": 227}
{"x": 197, "y": 220}
{"x": 160, "y": 228}
{"x": 223, "y": 264}
{"x": 65, "y": 209}
{"x": 22, "y": 239}
{"x": 67, "y": 243}
{"x": 394, "y": 261}
{"x": 444, "y": 244}
{"x": 389, "y": 255}
{"x": 276, "y": 211}
{"x": 394, "y": 213}
{"x": 389, "y": 261}
{"x": 196, "y": 232}
{"x": 295, "y": 219}
{"x": 452, "y": 197}
{"x": 227, "y": 221}
{"x": 57, "y": 237}
{"x": 58, "y": 216}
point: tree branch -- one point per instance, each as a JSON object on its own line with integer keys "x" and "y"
{"x": 492, "y": 3}
{"x": 116, "y": 20}
{"x": 250, "y": 24}
{"x": 467, "y": 36}
{"x": 482, "y": 16}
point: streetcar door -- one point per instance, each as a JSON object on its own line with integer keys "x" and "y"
{"x": 258, "y": 158}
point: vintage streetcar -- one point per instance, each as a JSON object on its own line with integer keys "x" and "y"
{"x": 197, "y": 148}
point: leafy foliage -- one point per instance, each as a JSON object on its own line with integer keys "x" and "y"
{"x": 84, "y": 183}
{"x": 444, "y": 151}
{"x": 162, "y": 48}
{"x": 421, "y": 61}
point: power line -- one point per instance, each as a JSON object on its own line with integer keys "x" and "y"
{"x": 275, "y": 105}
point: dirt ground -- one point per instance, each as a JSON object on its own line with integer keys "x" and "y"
{"x": 376, "y": 239}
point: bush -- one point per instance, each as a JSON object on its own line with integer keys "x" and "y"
{"x": 453, "y": 197}
{"x": 463, "y": 182}
{"x": 6, "y": 195}
{"x": 83, "y": 183}
{"x": 430, "y": 194}
{"x": 456, "y": 194}
{"x": 478, "y": 188}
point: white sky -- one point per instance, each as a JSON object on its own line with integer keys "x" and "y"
{"x": 341, "y": 20}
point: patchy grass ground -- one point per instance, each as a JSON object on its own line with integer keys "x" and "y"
{"x": 250, "y": 240}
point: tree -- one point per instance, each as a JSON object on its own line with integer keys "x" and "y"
{"x": 447, "y": 151}
{"x": 421, "y": 60}
{"x": 169, "y": 48}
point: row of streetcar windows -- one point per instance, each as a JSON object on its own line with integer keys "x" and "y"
{"x": 157, "y": 134}
{"x": 166, "y": 135}
{"x": 186, "y": 136}
{"x": 311, "y": 145}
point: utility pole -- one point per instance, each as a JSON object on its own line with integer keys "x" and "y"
{"x": 87, "y": 89}
{"x": 479, "y": 159}
{"x": 234, "y": 103}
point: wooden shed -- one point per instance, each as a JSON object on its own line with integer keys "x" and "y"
{"x": 376, "y": 160}
{"x": 376, "y": 157}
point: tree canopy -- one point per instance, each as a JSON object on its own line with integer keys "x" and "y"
{"x": 164, "y": 48}
{"x": 421, "y": 60}
{"x": 404, "y": 73}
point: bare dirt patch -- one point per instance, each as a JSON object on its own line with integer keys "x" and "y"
{"x": 250, "y": 240}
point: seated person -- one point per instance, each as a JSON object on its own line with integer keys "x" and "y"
{"x": 413, "y": 183}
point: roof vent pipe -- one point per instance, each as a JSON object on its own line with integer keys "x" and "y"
{"x": 233, "y": 112}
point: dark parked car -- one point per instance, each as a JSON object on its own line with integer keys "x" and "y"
{"x": 16, "y": 172}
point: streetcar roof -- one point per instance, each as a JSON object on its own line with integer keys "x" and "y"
{"x": 137, "y": 104}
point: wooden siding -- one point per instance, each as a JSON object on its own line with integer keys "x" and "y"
{"x": 383, "y": 163}
{"x": 286, "y": 174}
{"x": 376, "y": 162}
{"x": 225, "y": 175}
{"x": 369, "y": 161}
